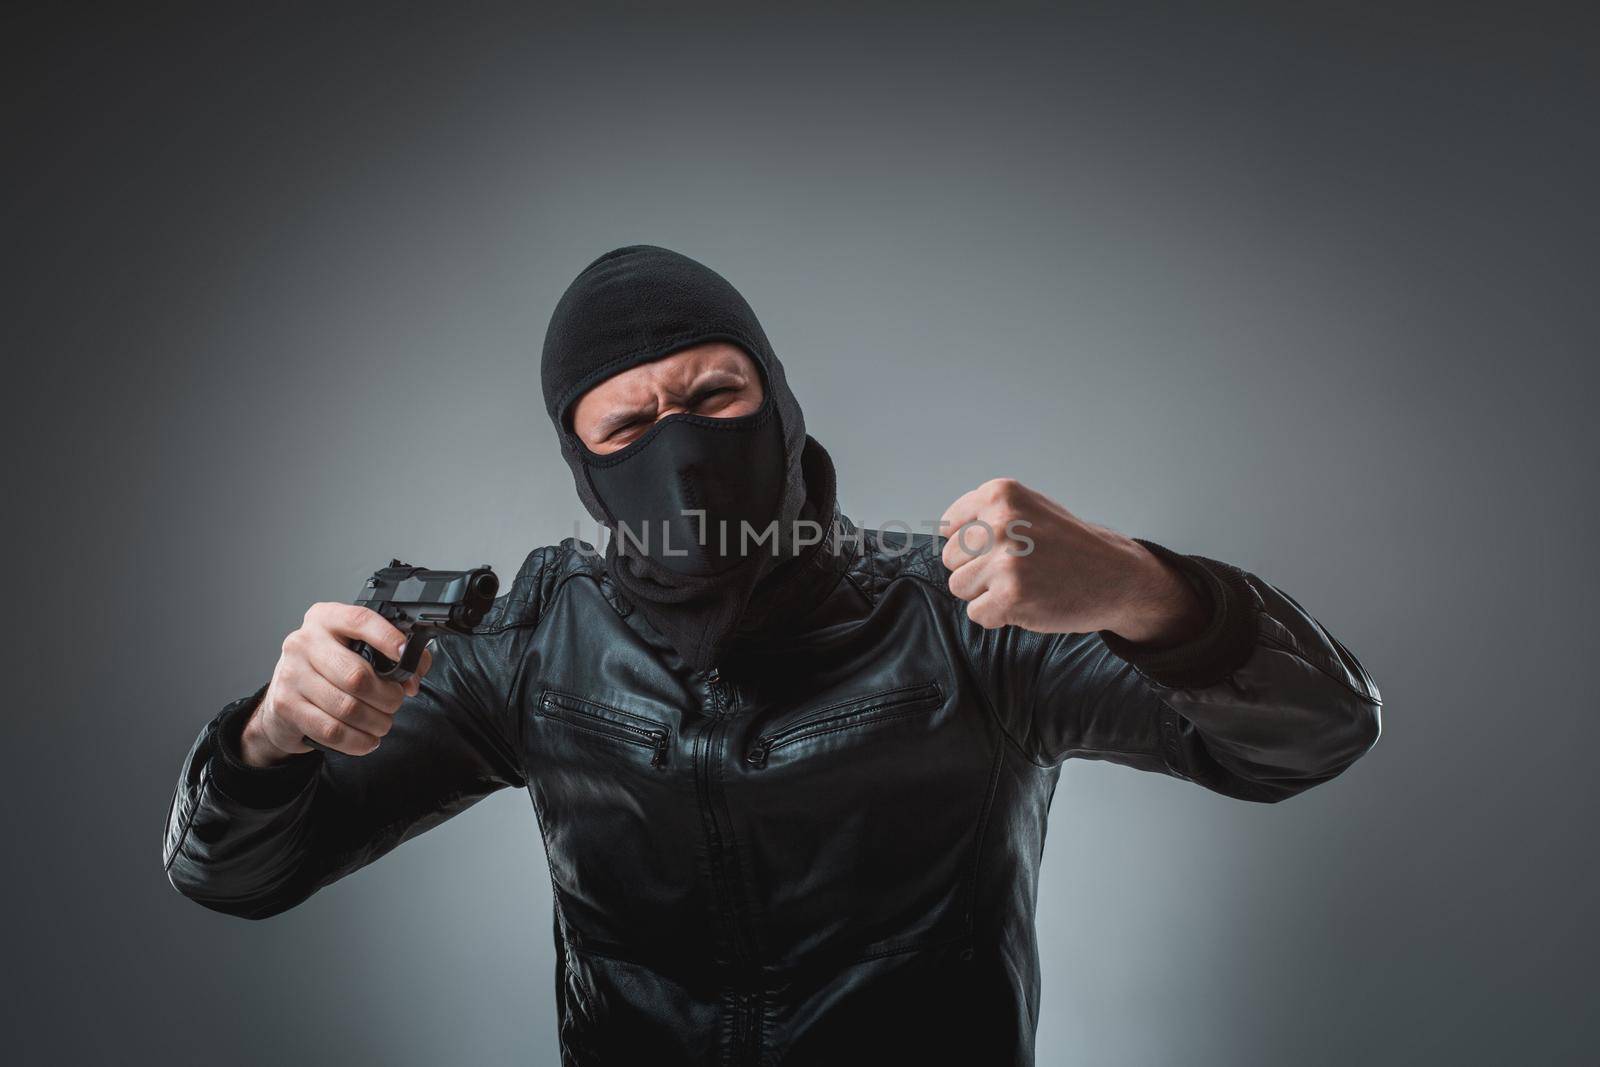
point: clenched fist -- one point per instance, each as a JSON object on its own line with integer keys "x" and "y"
{"x": 1020, "y": 559}
{"x": 323, "y": 690}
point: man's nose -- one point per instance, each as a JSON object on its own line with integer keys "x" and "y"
{"x": 667, "y": 406}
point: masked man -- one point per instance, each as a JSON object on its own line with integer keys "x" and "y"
{"x": 792, "y": 787}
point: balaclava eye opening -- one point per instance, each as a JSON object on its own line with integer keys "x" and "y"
{"x": 641, "y": 303}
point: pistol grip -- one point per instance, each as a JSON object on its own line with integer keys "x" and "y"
{"x": 388, "y": 669}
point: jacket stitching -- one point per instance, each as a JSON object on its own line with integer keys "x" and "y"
{"x": 982, "y": 828}
{"x": 982, "y": 832}
{"x": 1171, "y": 744}
{"x": 559, "y": 913}
{"x": 538, "y": 605}
{"x": 967, "y": 660}
{"x": 1272, "y": 642}
{"x": 194, "y": 809}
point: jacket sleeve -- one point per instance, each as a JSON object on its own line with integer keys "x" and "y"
{"x": 254, "y": 842}
{"x": 1263, "y": 704}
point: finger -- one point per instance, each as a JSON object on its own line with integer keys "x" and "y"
{"x": 972, "y": 580}
{"x": 986, "y": 610}
{"x": 963, "y": 509}
{"x": 967, "y": 542}
{"x": 356, "y": 623}
{"x": 327, "y": 731}
{"x": 346, "y": 707}
{"x": 330, "y": 658}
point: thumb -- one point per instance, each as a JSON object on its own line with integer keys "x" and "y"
{"x": 413, "y": 685}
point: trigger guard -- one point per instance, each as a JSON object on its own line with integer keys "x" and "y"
{"x": 386, "y": 668}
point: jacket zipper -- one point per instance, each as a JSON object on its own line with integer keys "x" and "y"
{"x": 745, "y": 1039}
{"x": 875, "y": 709}
{"x": 655, "y": 740}
{"x": 711, "y": 798}
{"x": 750, "y": 1037}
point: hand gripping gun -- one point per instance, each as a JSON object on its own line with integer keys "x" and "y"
{"x": 419, "y": 602}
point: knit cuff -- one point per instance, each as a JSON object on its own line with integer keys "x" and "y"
{"x": 1222, "y": 647}
{"x": 255, "y": 787}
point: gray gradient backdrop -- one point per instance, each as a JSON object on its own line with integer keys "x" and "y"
{"x": 1312, "y": 291}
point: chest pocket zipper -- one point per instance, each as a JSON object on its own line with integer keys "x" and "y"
{"x": 614, "y": 724}
{"x": 888, "y": 705}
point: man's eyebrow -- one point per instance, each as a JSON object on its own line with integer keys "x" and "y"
{"x": 716, "y": 378}
{"x": 615, "y": 420}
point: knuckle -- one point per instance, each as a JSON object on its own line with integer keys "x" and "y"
{"x": 1006, "y": 492}
{"x": 354, "y": 678}
{"x": 344, "y": 706}
{"x": 973, "y": 538}
{"x": 332, "y": 733}
{"x": 296, "y": 717}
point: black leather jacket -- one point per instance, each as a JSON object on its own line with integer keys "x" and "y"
{"x": 826, "y": 850}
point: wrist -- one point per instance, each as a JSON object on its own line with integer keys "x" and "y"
{"x": 268, "y": 780}
{"x": 255, "y": 748}
{"x": 1159, "y": 608}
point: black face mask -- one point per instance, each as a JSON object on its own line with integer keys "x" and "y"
{"x": 641, "y": 303}
{"x": 697, "y": 496}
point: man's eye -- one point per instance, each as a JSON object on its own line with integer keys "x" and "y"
{"x": 703, "y": 397}
{"x": 626, "y": 430}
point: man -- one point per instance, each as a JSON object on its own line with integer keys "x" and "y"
{"x": 792, "y": 788}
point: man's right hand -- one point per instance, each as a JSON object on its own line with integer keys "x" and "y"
{"x": 323, "y": 690}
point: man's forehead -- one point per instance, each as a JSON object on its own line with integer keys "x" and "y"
{"x": 679, "y": 370}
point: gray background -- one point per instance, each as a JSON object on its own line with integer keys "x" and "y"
{"x": 1312, "y": 291}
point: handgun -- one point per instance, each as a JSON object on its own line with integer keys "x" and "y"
{"x": 419, "y": 602}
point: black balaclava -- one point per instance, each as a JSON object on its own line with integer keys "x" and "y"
{"x": 640, "y": 303}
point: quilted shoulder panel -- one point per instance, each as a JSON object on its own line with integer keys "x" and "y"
{"x": 541, "y": 575}
{"x": 887, "y": 555}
